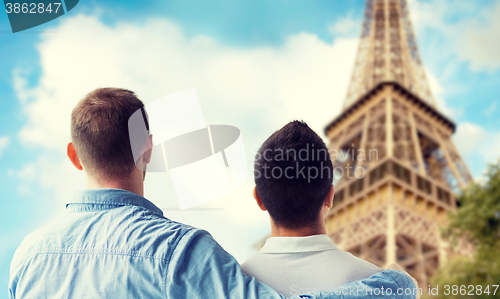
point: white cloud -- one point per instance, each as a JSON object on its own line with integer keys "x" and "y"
{"x": 477, "y": 146}
{"x": 467, "y": 138}
{"x": 438, "y": 95}
{"x": 469, "y": 28}
{"x": 346, "y": 26}
{"x": 491, "y": 109}
{"x": 26, "y": 175}
{"x": 257, "y": 89}
{"x": 431, "y": 14}
{"x": 480, "y": 41}
{"x": 27, "y": 172}
{"x": 4, "y": 142}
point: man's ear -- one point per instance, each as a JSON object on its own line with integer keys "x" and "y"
{"x": 73, "y": 156}
{"x": 146, "y": 157}
{"x": 257, "y": 199}
{"x": 329, "y": 197}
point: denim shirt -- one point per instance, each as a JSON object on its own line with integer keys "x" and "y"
{"x": 113, "y": 243}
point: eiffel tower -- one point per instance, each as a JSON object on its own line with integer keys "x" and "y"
{"x": 397, "y": 170}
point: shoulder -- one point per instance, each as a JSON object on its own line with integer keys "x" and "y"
{"x": 166, "y": 237}
{"x": 153, "y": 234}
{"x": 358, "y": 268}
{"x": 362, "y": 262}
{"x": 160, "y": 226}
{"x": 31, "y": 246}
{"x": 196, "y": 237}
{"x": 129, "y": 230}
{"x": 253, "y": 265}
{"x": 35, "y": 241}
{"x": 199, "y": 245}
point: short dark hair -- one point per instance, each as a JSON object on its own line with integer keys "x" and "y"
{"x": 291, "y": 187}
{"x": 99, "y": 132}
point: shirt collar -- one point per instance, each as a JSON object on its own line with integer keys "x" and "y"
{"x": 298, "y": 244}
{"x": 102, "y": 199}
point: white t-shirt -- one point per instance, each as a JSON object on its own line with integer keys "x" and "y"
{"x": 300, "y": 265}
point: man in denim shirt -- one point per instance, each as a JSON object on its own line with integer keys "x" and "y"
{"x": 114, "y": 243}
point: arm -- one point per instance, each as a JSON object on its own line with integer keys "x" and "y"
{"x": 200, "y": 268}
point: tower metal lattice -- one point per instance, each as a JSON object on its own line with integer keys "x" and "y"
{"x": 387, "y": 52}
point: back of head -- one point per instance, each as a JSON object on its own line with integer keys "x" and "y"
{"x": 100, "y": 135}
{"x": 293, "y": 174}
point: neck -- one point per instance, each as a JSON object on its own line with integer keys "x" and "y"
{"x": 132, "y": 184}
{"x": 280, "y": 231}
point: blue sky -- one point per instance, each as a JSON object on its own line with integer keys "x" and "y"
{"x": 266, "y": 60}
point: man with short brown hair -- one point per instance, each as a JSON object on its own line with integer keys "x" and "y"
{"x": 114, "y": 243}
{"x": 100, "y": 135}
